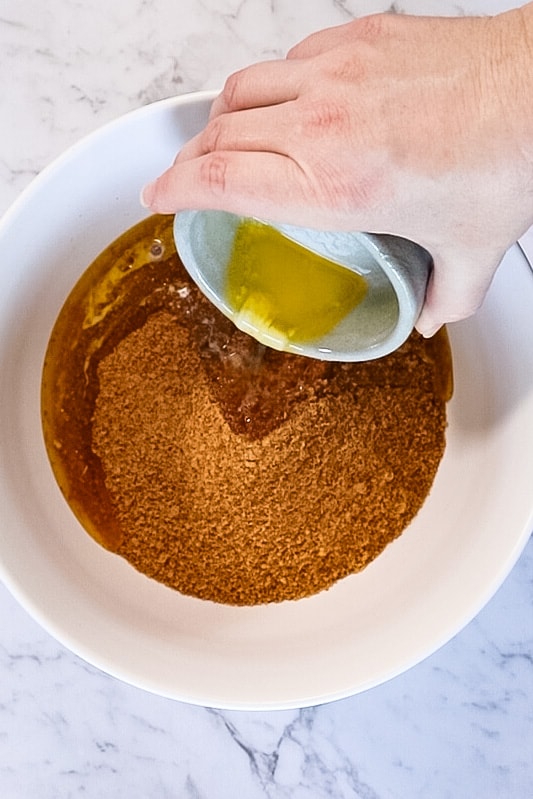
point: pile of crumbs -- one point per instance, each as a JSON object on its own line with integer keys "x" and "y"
{"x": 280, "y": 513}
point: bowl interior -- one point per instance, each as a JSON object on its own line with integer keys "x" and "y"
{"x": 376, "y": 326}
{"x": 367, "y": 628}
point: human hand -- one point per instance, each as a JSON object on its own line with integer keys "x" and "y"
{"x": 414, "y": 126}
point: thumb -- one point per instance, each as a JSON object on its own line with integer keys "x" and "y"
{"x": 457, "y": 287}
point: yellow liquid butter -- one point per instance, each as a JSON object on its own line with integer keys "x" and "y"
{"x": 282, "y": 292}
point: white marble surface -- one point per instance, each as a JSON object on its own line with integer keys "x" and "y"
{"x": 459, "y": 724}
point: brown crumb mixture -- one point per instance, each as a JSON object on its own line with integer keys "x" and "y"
{"x": 218, "y": 502}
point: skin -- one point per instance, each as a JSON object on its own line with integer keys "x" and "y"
{"x": 420, "y": 127}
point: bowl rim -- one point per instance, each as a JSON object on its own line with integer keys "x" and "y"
{"x": 313, "y": 689}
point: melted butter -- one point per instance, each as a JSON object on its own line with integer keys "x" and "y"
{"x": 114, "y": 296}
{"x": 282, "y": 292}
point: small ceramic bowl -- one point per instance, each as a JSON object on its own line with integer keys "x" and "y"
{"x": 396, "y": 272}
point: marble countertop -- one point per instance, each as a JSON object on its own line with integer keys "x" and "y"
{"x": 456, "y": 725}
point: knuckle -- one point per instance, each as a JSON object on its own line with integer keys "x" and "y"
{"x": 325, "y": 117}
{"x": 349, "y": 64}
{"x": 371, "y": 27}
{"x": 213, "y": 173}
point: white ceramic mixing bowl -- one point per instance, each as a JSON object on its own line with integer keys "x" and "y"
{"x": 368, "y": 627}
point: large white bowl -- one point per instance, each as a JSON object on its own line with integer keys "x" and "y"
{"x": 366, "y": 629}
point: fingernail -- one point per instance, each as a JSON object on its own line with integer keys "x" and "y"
{"x": 147, "y": 195}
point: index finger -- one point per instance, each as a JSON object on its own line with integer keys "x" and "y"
{"x": 245, "y": 183}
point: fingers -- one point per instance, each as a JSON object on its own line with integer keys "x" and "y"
{"x": 456, "y": 289}
{"x": 258, "y": 129}
{"x": 263, "y": 84}
{"x": 242, "y": 183}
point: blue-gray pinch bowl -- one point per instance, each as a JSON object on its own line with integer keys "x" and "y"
{"x": 396, "y": 270}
